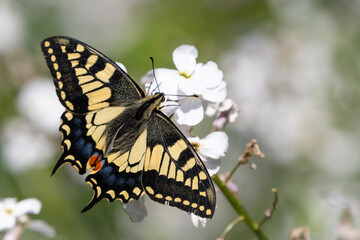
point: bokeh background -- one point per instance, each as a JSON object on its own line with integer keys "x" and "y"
{"x": 293, "y": 67}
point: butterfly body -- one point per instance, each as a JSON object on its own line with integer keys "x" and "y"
{"x": 111, "y": 128}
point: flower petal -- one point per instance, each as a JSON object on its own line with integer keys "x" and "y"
{"x": 212, "y": 165}
{"x": 196, "y": 220}
{"x": 7, "y": 221}
{"x": 184, "y": 58}
{"x": 7, "y": 216}
{"x": 42, "y": 227}
{"x": 136, "y": 209}
{"x": 122, "y": 66}
{"x": 14, "y": 233}
{"x": 169, "y": 107}
{"x": 190, "y": 112}
{"x": 166, "y": 81}
{"x": 188, "y": 86}
{"x": 211, "y": 109}
{"x": 37, "y": 101}
{"x": 214, "y": 145}
{"x": 217, "y": 94}
{"x": 27, "y": 206}
{"x": 208, "y": 75}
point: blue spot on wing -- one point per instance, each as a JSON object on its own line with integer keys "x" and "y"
{"x": 80, "y": 144}
{"x": 77, "y": 122}
{"x": 106, "y": 171}
{"x": 111, "y": 179}
{"x": 131, "y": 181}
{"x": 78, "y": 133}
{"x": 87, "y": 150}
{"x": 120, "y": 181}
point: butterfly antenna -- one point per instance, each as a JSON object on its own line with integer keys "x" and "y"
{"x": 185, "y": 96}
{"x": 153, "y": 69}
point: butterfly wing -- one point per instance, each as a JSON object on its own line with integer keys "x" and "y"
{"x": 84, "y": 137}
{"x": 91, "y": 87}
{"x": 173, "y": 172}
{"x": 120, "y": 177}
{"x": 85, "y": 79}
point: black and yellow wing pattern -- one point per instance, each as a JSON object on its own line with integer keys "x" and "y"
{"x": 112, "y": 129}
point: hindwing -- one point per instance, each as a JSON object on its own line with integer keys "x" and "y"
{"x": 173, "y": 172}
{"x": 84, "y": 137}
{"x": 121, "y": 176}
{"x": 85, "y": 79}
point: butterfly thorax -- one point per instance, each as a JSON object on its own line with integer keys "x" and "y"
{"x": 148, "y": 105}
{"x": 123, "y": 130}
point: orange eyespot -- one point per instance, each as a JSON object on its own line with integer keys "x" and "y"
{"x": 96, "y": 162}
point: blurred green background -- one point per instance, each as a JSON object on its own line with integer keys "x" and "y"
{"x": 292, "y": 67}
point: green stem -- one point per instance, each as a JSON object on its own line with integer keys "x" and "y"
{"x": 230, "y": 226}
{"x": 272, "y": 208}
{"x": 233, "y": 171}
{"x": 236, "y": 204}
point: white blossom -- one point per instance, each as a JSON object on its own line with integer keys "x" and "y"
{"x": 11, "y": 211}
{"x": 196, "y": 220}
{"x": 136, "y": 209}
{"x": 37, "y": 101}
{"x": 226, "y": 111}
{"x": 191, "y": 84}
{"x": 23, "y": 147}
{"x": 11, "y": 25}
{"x": 14, "y": 218}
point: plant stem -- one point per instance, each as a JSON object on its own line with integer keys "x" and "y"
{"x": 231, "y": 225}
{"x": 233, "y": 171}
{"x": 239, "y": 208}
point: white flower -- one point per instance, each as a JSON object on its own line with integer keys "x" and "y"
{"x": 38, "y": 102}
{"x": 210, "y": 149}
{"x": 190, "y": 78}
{"x": 11, "y": 211}
{"x": 41, "y": 227}
{"x": 13, "y": 218}
{"x": 196, "y": 220}
{"x": 12, "y": 27}
{"x": 226, "y": 111}
{"x": 36, "y": 147}
{"x": 136, "y": 209}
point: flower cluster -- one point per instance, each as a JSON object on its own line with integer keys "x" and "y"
{"x": 205, "y": 81}
{"x": 189, "y": 90}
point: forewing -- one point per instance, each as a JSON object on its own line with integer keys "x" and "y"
{"x": 173, "y": 172}
{"x": 85, "y": 79}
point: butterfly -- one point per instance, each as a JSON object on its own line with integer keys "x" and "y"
{"x": 112, "y": 130}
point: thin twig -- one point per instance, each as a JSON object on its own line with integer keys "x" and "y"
{"x": 269, "y": 212}
{"x": 252, "y": 148}
{"x": 230, "y": 226}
